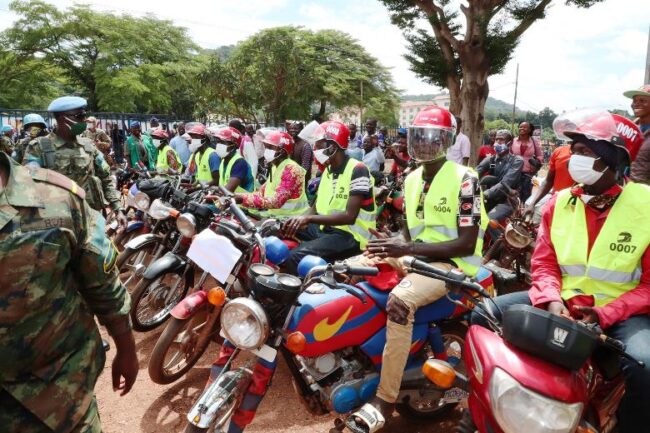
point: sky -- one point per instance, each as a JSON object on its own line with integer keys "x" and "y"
{"x": 574, "y": 58}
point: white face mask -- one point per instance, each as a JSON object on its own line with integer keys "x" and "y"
{"x": 320, "y": 156}
{"x": 157, "y": 143}
{"x": 222, "y": 150}
{"x": 195, "y": 144}
{"x": 269, "y": 155}
{"x": 581, "y": 169}
{"x": 586, "y": 198}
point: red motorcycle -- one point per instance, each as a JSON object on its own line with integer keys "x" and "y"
{"x": 535, "y": 372}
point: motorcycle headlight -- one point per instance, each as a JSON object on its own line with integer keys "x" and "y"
{"x": 518, "y": 409}
{"x": 142, "y": 201}
{"x": 244, "y": 323}
{"x": 186, "y": 225}
{"x": 159, "y": 210}
{"x": 517, "y": 236}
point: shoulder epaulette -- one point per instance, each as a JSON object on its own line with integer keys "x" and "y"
{"x": 54, "y": 178}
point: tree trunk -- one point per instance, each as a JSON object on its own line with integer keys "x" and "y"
{"x": 323, "y": 107}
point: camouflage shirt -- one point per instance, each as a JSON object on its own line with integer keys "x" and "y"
{"x": 6, "y": 145}
{"x": 58, "y": 270}
{"x": 99, "y": 138}
{"x": 80, "y": 161}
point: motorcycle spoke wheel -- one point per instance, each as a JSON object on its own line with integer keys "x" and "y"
{"x": 153, "y": 303}
{"x": 132, "y": 264}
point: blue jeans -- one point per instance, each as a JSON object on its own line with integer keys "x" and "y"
{"x": 634, "y": 410}
{"x": 331, "y": 244}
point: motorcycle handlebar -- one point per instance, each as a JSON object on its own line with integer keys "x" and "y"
{"x": 453, "y": 276}
{"x": 241, "y": 216}
{"x": 363, "y": 270}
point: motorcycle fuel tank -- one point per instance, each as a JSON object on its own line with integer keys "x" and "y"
{"x": 333, "y": 319}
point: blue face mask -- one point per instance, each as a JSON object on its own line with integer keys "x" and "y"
{"x": 500, "y": 147}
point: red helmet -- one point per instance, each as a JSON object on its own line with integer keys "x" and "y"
{"x": 630, "y": 133}
{"x": 336, "y": 131}
{"x": 196, "y": 129}
{"x": 431, "y": 134}
{"x": 230, "y": 135}
{"x": 159, "y": 134}
{"x": 279, "y": 139}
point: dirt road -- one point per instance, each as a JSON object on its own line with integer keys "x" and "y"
{"x": 151, "y": 408}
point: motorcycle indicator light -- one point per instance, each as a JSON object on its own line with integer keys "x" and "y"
{"x": 439, "y": 372}
{"x": 582, "y": 429}
{"x": 216, "y": 296}
{"x": 296, "y": 342}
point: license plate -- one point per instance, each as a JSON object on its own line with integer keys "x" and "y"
{"x": 215, "y": 254}
{"x": 455, "y": 395}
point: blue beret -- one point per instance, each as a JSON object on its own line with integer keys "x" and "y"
{"x": 7, "y": 128}
{"x": 135, "y": 124}
{"x": 67, "y": 103}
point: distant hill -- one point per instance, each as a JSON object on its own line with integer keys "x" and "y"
{"x": 492, "y": 106}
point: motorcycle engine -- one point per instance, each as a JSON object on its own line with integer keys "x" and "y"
{"x": 342, "y": 382}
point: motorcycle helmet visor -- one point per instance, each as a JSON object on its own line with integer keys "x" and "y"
{"x": 426, "y": 144}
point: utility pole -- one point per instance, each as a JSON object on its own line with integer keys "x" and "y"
{"x": 514, "y": 104}
{"x": 647, "y": 61}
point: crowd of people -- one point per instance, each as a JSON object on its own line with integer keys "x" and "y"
{"x": 58, "y": 267}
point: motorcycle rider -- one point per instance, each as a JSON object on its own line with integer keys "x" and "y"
{"x": 337, "y": 227}
{"x": 34, "y": 126}
{"x": 168, "y": 160}
{"x": 446, "y": 221}
{"x": 234, "y": 171}
{"x": 501, "y": 170}
{"x": 204, "y": 161}
{"x": 283, "y": 194}
{"x": 592, "y": 255}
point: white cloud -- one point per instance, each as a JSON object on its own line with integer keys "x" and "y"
{"x": 574, "y": 57}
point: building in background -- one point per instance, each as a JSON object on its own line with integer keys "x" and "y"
{"x": 408, "y": 108}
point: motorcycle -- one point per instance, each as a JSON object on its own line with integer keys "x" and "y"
{"x": 535, "y": 372}
{"x": 332, "y": 337}
{"x": 389, "y": 200}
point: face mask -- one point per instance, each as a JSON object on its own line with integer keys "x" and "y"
{"x": 76, "y": 128}
{"x": 34, "y": 131}
{"x": 157, "y": 143}
{"x": 320, "y": 156}
{"x": 586, "y": 198}
{"x": 498, "y": 148}
{"x": 195, "y": 144}
{"x": 581, "y": 169}
{"x": 222, "y": 150}
{"x": 269, "y": 155}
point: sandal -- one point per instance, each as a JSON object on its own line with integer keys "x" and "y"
{"x": 372, "y": 418}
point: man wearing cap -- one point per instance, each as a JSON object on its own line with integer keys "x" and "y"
{"x": 641, "y": 106}
{"x": 77, "y": 157}
{"x": 100, "y": 138}
{"x": 6, "y": 142}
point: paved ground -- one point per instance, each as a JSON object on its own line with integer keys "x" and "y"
{"x": 151, "y": 408}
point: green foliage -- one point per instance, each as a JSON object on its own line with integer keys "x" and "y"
{"x": 120, "y": 63}
{"x": 497, "y": 125}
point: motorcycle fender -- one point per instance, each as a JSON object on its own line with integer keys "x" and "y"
{"x": 184, "y": 309}
{"x": 170, "y": 262}
{"x": 218, "y": 397}
{"x": 140, "y": 241}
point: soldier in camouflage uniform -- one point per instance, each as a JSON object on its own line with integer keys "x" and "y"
{"x": 101, "y": 140}
{"x": 34, "y": 126}
{"x": 75, "y": 157}
{"x": 57, "y": 272}
{"x": 6, "y": 143}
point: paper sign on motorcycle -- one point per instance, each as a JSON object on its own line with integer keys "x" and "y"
{"x": 215, "y": 254}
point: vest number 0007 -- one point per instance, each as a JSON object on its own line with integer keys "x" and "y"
{"x": 622, "y": 248}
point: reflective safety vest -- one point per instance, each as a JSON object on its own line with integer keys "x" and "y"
{"x": 292, "y": 207}
{"x": 162, "y": 162}
{"x": 202, "y": 162}
{"x": 224, "y": 175}
{"x": 613, "y": 266}
{"x": 329, "y": 202}
{"x": 440, "y": 211}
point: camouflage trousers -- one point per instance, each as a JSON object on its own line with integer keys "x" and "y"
{"x": 15, "y": 418}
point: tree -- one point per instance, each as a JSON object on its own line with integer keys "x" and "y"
{"x": 461, "y": 62}
{"x": 119, "y": 63}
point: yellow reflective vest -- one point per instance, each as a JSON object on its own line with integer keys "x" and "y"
{"x": 292, "y": 207}
{"x": 224, "y": 173}
{"x": 439, "y": 222}
{"x": 613, "y": 266}
{"x": 203, "y": 173}
{"x": 329, "y": 202}
{"x": 162, "y": 163}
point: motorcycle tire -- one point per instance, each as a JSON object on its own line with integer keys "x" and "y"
{"x": 453, "y": 332}
{"x": 144, "y": 288}
{"x": 466, "y": 424}
{"x": 122, "y": 238}
{"x": 175, "y": 327}
{"x": 123, "y": 263}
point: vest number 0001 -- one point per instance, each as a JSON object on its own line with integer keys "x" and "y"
{"x": 622, "y": 248}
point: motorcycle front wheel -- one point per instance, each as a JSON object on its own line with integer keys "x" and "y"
{"x": 180, "y": 346}
{"x": 131, "y": 264}
{"x": 427, "y": 407}
{"x": 152, "y": 300}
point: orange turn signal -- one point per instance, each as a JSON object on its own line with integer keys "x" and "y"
{"x": 494, "y": 224}
{"x": 174, "y": 213}
{"x": 216, "y": 296}
{"x": 439, "y": 372}
{"x": 296, "y": 342}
